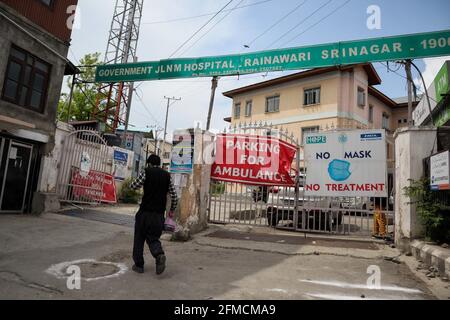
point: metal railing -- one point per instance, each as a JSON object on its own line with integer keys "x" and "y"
{"x": 289, "y": 208}
{"x": 74, "y": 185}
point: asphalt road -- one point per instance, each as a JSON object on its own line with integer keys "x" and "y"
{"x": 205, "y": 269}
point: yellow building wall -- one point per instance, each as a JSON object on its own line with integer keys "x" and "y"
{"x": 338, "y": 107}
{"x": 402, "y": 115}
{"x": 291, "y": 101}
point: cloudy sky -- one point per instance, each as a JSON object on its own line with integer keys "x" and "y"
{"x": 262, "y": 24}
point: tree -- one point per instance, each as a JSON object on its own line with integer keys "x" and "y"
{"x": 84, "y": 94}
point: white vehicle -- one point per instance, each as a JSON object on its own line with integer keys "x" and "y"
{"x": 358, "y": 203}
{"x": 321, "y": 213}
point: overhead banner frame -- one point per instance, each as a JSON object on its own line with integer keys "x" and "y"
{"x": 419, "y": 45}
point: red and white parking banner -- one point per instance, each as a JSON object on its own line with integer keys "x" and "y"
{"x": 253, "y": 159}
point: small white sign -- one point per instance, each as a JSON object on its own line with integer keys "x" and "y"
{"x": 85, "y": 164}
{"x": 439, "y": 171}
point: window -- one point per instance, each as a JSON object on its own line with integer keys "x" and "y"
{"x": 248, "y": 108}
{"x": 237, "y": 110}
{"x": 166, "y": 155}
{"x": 306, "y": 130}
{"x": 311, "y": 96}
{"x": 26, "y": 80}
{"x": 48, "y": 3}
{"x": 273, "y": 104}
{"x": 370, "y": 113}
{"x": 385, "y": 121}
{"x": 361, "y": 97}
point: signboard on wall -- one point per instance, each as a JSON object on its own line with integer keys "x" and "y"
{"x": 400, "y": 47}
{"x": 255, "y": 160}
{"x": 436, "y": 91}
{"x": 439, "y": 171}
{"x": 97, "y": 186}
{"x": 346, "y": 163}
{"x": 182, "y": 156}
{"x": 120, "y": 165}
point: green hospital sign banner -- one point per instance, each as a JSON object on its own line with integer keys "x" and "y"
{"x": 340, "y": 53}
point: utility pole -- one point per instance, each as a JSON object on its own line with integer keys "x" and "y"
{"x": 167, "y": 118}
{"x": 214, "y": 82}
{"x": 157, "y": 149}
{"x": 158, "y": 129}
{"x": 426, "y": 91}
{"x": 410, "y": 89}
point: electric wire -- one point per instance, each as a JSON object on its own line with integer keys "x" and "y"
{"x": 200, "y": 29}
{"x": 206, "y": 14}
{"x": 312, "y": 26}
{"x": 299, "y": 24}
{"x": 147, "y": 109}
{"x": 404, "y": 77}
{"x": 276, "y": 23}
{"x": 209, "y": 30}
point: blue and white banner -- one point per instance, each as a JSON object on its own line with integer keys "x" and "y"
{"x": 346, "y": 163}
{"x": 182, "y": 156}
{"x": 120, "y": 165}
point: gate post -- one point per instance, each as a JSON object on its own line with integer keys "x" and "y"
{"x": 192, "y": 211}
{"x": 412, "y": 145}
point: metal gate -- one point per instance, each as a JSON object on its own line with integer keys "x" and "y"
{"x": 288, "y": 207}
{"x": 83, "y": 165}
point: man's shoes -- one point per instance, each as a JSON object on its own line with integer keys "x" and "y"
{"x": 160, "y": 263}
{"x": 137, "y": 269}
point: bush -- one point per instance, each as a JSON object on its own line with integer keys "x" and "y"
{"x": 433, "y": 213}
{"x": 217, "y": 188}
{"x": 128, "y": 195}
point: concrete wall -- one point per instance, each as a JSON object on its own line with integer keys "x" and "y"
{"x": 43, "y": 122}
{"x": 191, "y": 214}
{"x": 49, "y": 164}
{"x": 412, "y": 145}
{"x": 45, "y": 199}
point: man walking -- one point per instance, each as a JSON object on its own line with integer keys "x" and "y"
{"x": 149, "y": 222}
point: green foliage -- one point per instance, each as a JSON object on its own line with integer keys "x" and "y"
{"x": 128, "y": 195}
{"x": 434, "y": 215}
{"x": 218, "y": 188}
{"x": 84, "y": 94}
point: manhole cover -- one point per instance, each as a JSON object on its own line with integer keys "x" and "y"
{"x": 90, "y": 269}
{"x": 94, "y": 269}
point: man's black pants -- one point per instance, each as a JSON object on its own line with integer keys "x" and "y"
{"x": 148, "y": 228}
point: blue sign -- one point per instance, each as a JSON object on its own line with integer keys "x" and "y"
{"x": 120, "y": 156}
{"x": 371, "y": 136}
